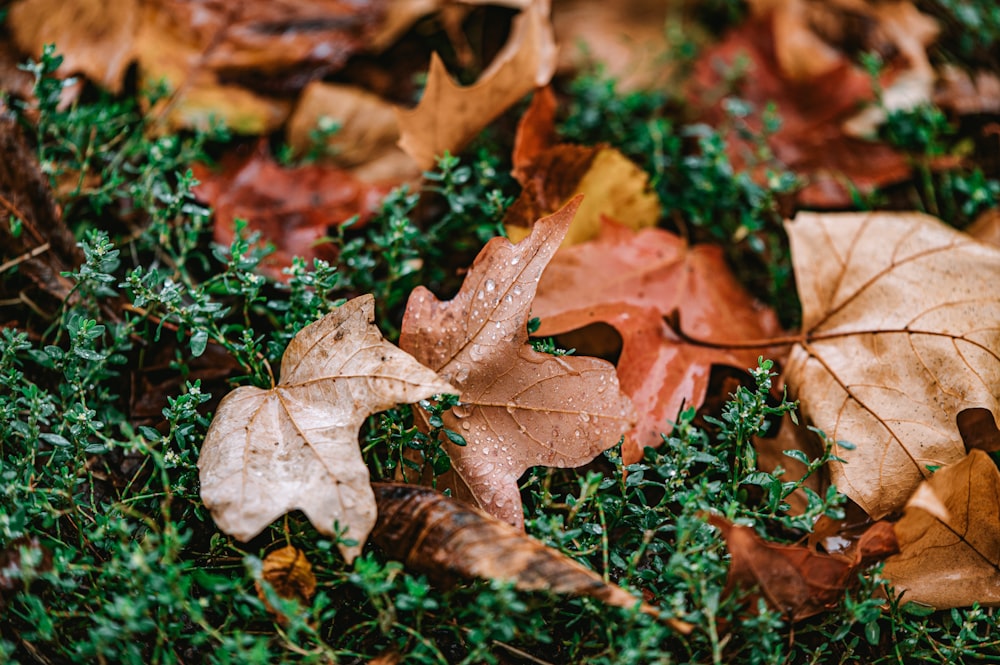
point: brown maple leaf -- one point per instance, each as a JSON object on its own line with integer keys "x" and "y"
{"x": 365, "y": 140}
{"x": 96, "y": 39}
{"x": 296, "y": 445}
{"x": 519, "y": 408}
{"x": 631, "y": 281}
{"x": 949, "y": 537}
{"x": 900, "y": 333}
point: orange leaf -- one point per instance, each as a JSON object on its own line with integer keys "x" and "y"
{"x": 631, "y": 281}
{"x": 552, "y": 174}
{"x": 519, "y": 408}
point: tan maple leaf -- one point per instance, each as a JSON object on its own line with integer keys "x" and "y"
{"x": 631, "y": 281}
{"x": 901, "y": 332}
{"x": 519, "y": 408}
{"x": 449, "y": 115}
{"x": 949, "y": 537}
{"x": 296, "y": 445}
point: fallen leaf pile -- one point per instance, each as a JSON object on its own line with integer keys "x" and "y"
{"x": 897, "y": 361}
{"x": 257, "y": 67}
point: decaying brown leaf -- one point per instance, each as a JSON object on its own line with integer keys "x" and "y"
{"x": 552, "y": 174}
{"x": 631, "y": 281}
{"x": 296, "y": 445}
{"x": 949, "y": 537}
{"x": 293, "y": 208}
{"x": 519, "y": 408}
{"x": 900, "y": 334}
{"x": 796, "y": 580}
{"x": 290, "y": 574}
{"x": 450, "y": 115}
{"x": 446, "y": 539}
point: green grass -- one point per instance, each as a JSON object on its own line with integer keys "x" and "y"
{"x": 129, "y": 567}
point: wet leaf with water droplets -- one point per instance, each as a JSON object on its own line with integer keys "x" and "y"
{"x": 533, "y": 400}
{"x": 296, "y": 445}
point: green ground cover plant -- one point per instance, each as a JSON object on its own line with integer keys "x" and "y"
{"x": 108, "y": 555}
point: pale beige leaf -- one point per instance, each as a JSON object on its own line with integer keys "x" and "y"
{"x": 449, "y": 115}
{"x": 949, "y": 537}
{"x": 901, "y": 330}
{"x": 519, "y": 408}
{"x": 295, "y": 446}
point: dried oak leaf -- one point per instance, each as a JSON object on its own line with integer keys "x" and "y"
{"x": 292, "y": 207}
{"x": 552, "y": 174}
{"x": 296, "y": 445}
{"x": 446, "y": 539}
{"x": 449, "y": 115}
{"x": 519, "y": 408}
{"x": 900, "y": 332}
{"x": 796, "y": 580}
{"x": 949, "y": 537}
{"x": 631, "y": 281}
{"x": 290, "y": 574}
